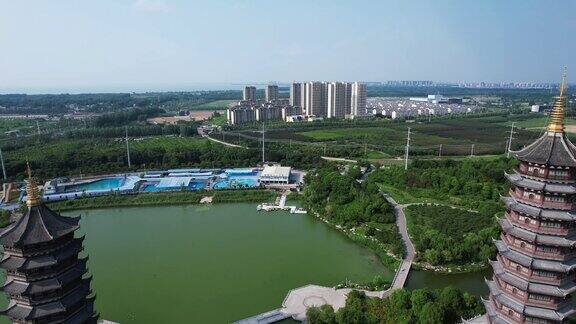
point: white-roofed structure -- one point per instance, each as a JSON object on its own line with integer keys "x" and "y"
{"x": 275, "y": 174}
{"x": 174, "y": 182}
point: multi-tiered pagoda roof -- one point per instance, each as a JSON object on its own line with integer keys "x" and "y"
{"x": 535, "y": 267}
{"x": 46, "y": 281}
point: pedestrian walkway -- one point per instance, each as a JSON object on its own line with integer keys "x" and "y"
{"x": 300, "y": 299}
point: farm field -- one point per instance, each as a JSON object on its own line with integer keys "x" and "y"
{"x": 213, "y": 105}
{"x": 488, "y": 135}
{"x": 541, "y": 122}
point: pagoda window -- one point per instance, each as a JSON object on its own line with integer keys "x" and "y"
{"x": 554, "y": 199}
{"x": 551, "y": 224}
{"x": 534, "y": 169}
{"x": 547, "y": 274}
{"x": 547, "y": 249}
{"x": 536, "y": 320}
{"x": 539, "y": 297}
{"x": 559, "y": 173}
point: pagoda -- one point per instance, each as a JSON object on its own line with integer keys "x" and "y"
{"x": 46, "y": 281}
{"x": 534, "y": 270}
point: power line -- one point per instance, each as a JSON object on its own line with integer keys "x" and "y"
{"x": 407, "y": 150}
{"x": 3, "y": 168}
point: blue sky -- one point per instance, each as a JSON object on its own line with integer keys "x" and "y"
{"x": 120, "y": 45}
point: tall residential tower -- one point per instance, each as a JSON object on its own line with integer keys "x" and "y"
{"x": 336, "y": 100}
{"x": 296, "y": 94}
{"x": 316, "y": 104}
{"x": 271, "y": 93}
{"x": 358, "y": 99}
{"x": 249, "y": 93}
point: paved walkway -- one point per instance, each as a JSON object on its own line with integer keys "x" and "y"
{"x": 222, "y": 142}
{"x": 329, "y": 158}
{"x": 299, "y": 299}
{"x": 402, "y": 273}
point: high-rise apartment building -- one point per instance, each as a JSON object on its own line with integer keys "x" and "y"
{"x": 336, "y": 100}
{"x": 271, "y": 93}
{"x": 303, "y": 97}
{"x": 296, "y": 94}
{"x": 249, "y": 93}
{"x": 316, "y": 103}
{"x": 348, "y": 98}
{"x": 358, "y": 99}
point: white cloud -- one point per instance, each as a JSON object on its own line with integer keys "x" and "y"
{"x": 151, "y": 6}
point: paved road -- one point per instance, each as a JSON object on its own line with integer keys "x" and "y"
{"x": 402, "y": 274}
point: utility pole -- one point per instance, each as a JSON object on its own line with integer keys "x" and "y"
{"x": 3, "y": 168}
{"x": 472, "y": 150}
{"x": 263, "y": 154}
{"x": 509, "y": 148}
{"x": 324, "y": 149}
{"x": 365, "y": 149}
{"x": 128, "y": 149}
{"x": 440, "y": 151}
{"x": 38, "y": 127}
{"x": 407, "y": 150}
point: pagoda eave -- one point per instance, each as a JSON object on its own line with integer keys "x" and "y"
{"x": 559, "y": 188}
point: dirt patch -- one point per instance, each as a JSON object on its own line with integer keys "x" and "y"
{"x": 570, "y": 128}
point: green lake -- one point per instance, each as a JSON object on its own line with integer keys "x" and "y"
{"x": 220, "y": 263}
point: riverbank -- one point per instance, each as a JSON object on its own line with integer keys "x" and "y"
{"x": 164, "y": 199}
{"x": 385, "y": 256}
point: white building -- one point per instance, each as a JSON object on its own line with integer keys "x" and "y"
{"x": 316, "y": 99}
{"x": 275, "y": 174}
{"x": 358, "y": 98}
{"x": 336, "y": 100}
{"x": 296, "y": 94}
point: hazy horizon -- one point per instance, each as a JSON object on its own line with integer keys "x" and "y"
{"x": 168, "y": 45}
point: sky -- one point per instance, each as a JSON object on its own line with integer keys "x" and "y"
{"x": 158, "y": 45}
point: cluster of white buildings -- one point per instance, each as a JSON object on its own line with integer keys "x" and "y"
{"x": 308, "y": 101}
{"x": 431, "y": 105}
{"x": 329, "y": 99}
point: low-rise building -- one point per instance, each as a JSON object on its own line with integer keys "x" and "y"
{"x": 275, "y": 174}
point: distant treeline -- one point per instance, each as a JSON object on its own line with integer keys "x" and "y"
{"x": 103, "y": 102}
{"x": 123, "y": 117}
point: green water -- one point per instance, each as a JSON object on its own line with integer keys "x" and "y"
{"x": 216, "y": 264}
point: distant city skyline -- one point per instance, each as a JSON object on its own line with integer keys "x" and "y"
{"x": 163, "y": 45}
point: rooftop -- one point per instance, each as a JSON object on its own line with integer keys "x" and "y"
{"x": 276, "y": 171}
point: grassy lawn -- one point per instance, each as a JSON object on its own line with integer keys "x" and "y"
{"x": 401, "y": 196}
{"x": 417, "y": 196}
{"x": 220, "y": 120}
{"x": 374, "y": 155}
{"x": 214, "y": 105}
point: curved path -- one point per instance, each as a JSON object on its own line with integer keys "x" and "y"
{"x": 402, "y": 273}
{"x": 298, "y": 300}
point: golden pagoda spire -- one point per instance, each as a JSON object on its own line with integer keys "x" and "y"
{"x": 32, "y": 193}
{"x": 556, "y": 123}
